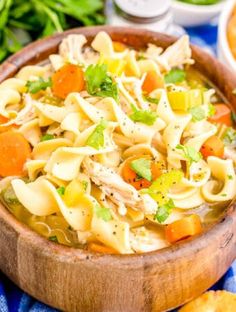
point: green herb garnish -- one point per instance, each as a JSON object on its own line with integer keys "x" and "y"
{"x": 197, "y": 113}
{"x": 176, "y": 75}
{"x": 164, "y": 211}
{"x": 61, "y": 190}
{"x": 103, "y": 213}
{"x": 233, "y": 117}
{"x": 200, "y": 2}
{"x": 145, "y": 116}
{"x": 38, "y": 85}
{"x": 85, "y": 184}
{"x": 229, "y": 136}
{"x": 47, "y": 137}
{"x": 9, "y": 196}
{"x": 142, "y": 167}
{"x": 99, "y": 83}
{"x": 211, "y": 110}
{"x": 230, "y": 177}
{"x": 53, "y": 239}
{"x": 96, "y": 138}
{"x": 151, "y": 100}
{"x": 141, "y": 56}
{"x": 190, "y": 153}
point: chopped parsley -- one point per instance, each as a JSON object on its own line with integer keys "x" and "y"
{"x": 211, "y": 110}
{"x": 99, "y": 83}
{"x": 96, "y": 138}
{"x": 85, "y": 184}
{"x": 229, "y": 136}
{"x": 47, "y": 137}
{"x": 175, "y": 75}
{"x": 145, "y": 116}
{"x": 141, "y": 56}
{"x": 103, "y": 213}
{"x": 230, "y": 177}
{"x": 142, "y": 167}
{"x": 197, "y": 113}
{"x": 38, "y": 85}
{"x": 164, "y": 211}
{"x": 233, "y": 117}
{"x": 61, "y": 190}
{"x": 9, "y": 196}
{"x": 53, "y": 239}
{"x": 151, "y": 99}
{"x": 190, "y": 153}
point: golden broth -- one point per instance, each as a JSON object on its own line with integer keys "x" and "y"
{"x": 56, "y": 229}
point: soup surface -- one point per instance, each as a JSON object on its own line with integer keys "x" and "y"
{"x": 115, "y": 150}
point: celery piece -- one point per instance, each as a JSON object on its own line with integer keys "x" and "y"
{"x": 184, "y": 100}
{"x": 103, "y": 213}
{"x": 160, "y": 187}
{"x": 9, "y": 196}
{"x": 96, "y": 138}
{"x": 114, "y": 66}
{"x": 142, "y": 167}
{"x": 164, "y": 211}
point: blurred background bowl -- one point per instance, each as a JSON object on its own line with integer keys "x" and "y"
{"x": 194, "y": 15}
{"x": 224, "y": 52}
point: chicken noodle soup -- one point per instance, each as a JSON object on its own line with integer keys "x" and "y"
{"x": 115, "y": 150}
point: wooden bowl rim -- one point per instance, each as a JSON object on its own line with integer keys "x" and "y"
{"x": 72, "y": 254}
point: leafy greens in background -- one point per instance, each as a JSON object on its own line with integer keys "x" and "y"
{"x": 33, "y": 19}
{"x": 201, "y": 2}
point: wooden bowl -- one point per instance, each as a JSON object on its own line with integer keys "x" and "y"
{"x": 76, "y": 280}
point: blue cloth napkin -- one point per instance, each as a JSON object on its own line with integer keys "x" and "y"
{"x": 12, "y": 299}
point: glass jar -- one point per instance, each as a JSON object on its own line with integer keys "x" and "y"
{"x": 154, "y": 15}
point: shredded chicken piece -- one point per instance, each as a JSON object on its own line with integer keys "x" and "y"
{"x": 71, "y": 48}
{"x": 27, "y": 113}
{"x": 153, "y": 51}
{"x": 117, "y": 189}
{"x": 230, "y": 153}
{"x": 177, "y": 54}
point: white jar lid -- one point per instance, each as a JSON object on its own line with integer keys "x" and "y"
{"x": 144, "y": 8}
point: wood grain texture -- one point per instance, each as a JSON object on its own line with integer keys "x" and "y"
{"x": 81, "y": 281}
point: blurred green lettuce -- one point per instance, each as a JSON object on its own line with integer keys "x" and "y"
{"x": 23, "y": 21}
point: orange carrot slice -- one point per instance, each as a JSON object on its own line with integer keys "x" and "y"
{"x": 152, "y": 81}
{"x": 183, "y": 228}
{"x": 69, "y": 78}
{"x": 15, "y": 150}
{"x": 213, "y": 147}
{"x": 131, "y": 177}
{"x": 119, "y": 46}
{"x": 101, "y": 248}
{"x": 3, "y": 128}
{"x": 222, "y": 115}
